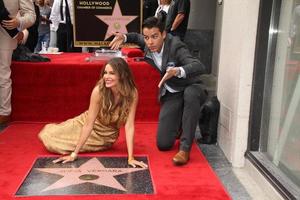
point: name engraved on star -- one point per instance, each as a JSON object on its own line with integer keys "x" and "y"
{"x": 90, "y": 171}
{"x": 103, "y": 170}
{"x": 70, "y": 170}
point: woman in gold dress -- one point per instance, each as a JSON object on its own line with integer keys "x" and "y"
{"x": 112, "y": 104}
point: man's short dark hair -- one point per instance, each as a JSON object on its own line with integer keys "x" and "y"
{"x": 155, "y": 22}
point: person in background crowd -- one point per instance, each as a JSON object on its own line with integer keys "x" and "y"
{"x": 8, "y": 44}
{"x": 178, "y": 18}
{"x": 62, "y": 18}
{"x": 33, "y": 33}
{"x": 53, "y": 36}
{"x": 163, "y": 6}
{"x": 181, "y": 92}
{"x": 44, "y": 26}
{"x": 112, "y": 104}
{"x": 48, "y": 3}
{"x": 149, "y": 8}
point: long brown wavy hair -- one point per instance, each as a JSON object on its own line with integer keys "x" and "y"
{"x": 126, "y": 89}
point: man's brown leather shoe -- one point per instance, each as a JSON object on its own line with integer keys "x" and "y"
{"x": 181, "y": 158}
{"x": 4, "y": 119}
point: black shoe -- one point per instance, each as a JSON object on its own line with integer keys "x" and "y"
{"x": 207, "y": 140}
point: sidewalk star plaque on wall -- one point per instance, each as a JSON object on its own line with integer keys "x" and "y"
{"x": 95, "y": 20}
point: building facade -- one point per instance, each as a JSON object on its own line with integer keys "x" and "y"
{"x": 256, "y": 58}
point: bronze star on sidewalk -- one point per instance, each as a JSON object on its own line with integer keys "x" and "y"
{"x": 91, "y": 171}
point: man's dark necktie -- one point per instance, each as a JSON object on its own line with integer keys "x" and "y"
{"x": 62, "y": 10}
{"x": 68, "y": 17}
{"x": 67, "y": 12}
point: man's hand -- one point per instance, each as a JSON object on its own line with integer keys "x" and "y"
{"x": 117, "y": 41}
{"x": 171, "y": 71}
{"x": 11, "y": 24}
{"x": 20, "y": 37}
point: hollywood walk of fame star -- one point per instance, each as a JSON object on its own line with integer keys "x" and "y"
{"x": 116, "y": 22}
{"x": 91, "y": 171}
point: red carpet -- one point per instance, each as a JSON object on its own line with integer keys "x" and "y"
{"x": 59, "y": 90}
{"x": 19, "y": 147}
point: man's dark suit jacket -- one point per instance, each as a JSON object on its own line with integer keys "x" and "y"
{"x": 149, "y": 8}
{"x": 174, "y": 51}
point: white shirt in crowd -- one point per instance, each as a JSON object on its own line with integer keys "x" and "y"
{"x": 162, "y": 7}
{"x": 55, "y": 13}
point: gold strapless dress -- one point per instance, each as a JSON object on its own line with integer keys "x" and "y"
{"x": 62, "y": 138}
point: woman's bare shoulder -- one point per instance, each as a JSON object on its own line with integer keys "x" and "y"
{"x": 95, "y": 93}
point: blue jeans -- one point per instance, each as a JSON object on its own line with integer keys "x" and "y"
{"x": 42, "y": 38}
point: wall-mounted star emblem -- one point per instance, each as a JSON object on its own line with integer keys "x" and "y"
{"x": 91, "y": 171}
{"x": 116, "y": 22}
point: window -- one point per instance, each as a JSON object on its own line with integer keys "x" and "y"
{"x": 274, "y": 142}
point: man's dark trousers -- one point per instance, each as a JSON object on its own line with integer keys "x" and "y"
{"x": 180, "y": 109}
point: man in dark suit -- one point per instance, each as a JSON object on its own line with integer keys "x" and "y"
{"x": 181, "y": 92}
{"x": 62, "y": 18}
